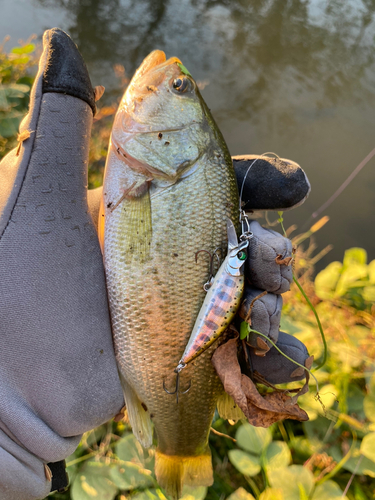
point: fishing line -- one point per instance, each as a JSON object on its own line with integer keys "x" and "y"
{"x": 344, "y": 185}
{"x": 325, "y": 352}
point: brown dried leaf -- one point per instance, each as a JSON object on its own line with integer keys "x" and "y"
{"x": 228, "y": 369}
{"x": 309, "y": 362}
{"x": 280, "y": 260}
{"x": 120, "y": 415}
{"x": 98, "y": 92}
{"x": 262, "y": 344}
{"x": 298, "y": 372}
{"x": 260, "y": 411}
{"x": 47, "y": 472}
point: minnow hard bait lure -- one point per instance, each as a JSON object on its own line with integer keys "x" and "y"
{"x": 222, "y": 300}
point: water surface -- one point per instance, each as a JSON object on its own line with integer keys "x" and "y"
{"x": 294, "y": 77}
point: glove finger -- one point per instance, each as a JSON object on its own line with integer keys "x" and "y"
{"x": 274, "y": 367}
{"x": 58, "y": 373}
{"x": 22, "y": 473}
{"x": 271, "y": 183}
{"x": 262, "y": 311}
{"x": 269, "y": 262}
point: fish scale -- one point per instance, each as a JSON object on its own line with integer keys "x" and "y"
{"x": 155, "y": 285}
{"x": 169, "y": 315}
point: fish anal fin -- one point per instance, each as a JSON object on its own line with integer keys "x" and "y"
{"x": 139, "y": 418}
{"x": 174, "y": 471}
{"x": 228, "y": 409}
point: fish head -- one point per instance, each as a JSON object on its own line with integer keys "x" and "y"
{"x": 161, "y": 127}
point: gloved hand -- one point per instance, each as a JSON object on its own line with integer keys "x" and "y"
{"x": 58, "y": 375}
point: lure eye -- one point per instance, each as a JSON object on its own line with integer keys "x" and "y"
{"x": 182, "y": 84}
{"x": 242, "y": 255}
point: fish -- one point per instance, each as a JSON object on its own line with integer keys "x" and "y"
{"x": 169, "y": 188}
{"x": 221, "y": 302}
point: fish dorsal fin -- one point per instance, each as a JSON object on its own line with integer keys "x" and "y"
{"x": 232, "y": 235}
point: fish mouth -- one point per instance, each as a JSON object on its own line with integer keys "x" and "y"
{"x": 157, "y": 58}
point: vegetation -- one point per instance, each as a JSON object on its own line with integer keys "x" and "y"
{"x": 329, "y": 457}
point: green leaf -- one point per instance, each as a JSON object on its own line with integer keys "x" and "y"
{"x": 25, "y": 49}
{"x": 92, "y": 482}
{"x": 350, "y": 278}
{"x": 19, "y": 60}
{"x": 368, "y": 293}
{"x": 277, "y": 455}
{"x": 369, "y": 407}
{"x": 15, "y": 89}
{"x": 289, "y": 326}
{"x": 371, "y": 272}
{"x": 357, "y": 463}
{"x": 302, "y": 493}
{"x": 244, "y": 330}
{"x": 253, "y": 439}
{"x": 359, "y": 493}
{"x": 371, "y": 385}
{"x": 128, "y": 476}
{"x": 328, "y": 491}
{"x": 194, "y": 493}
{"x": 355, "y": 399}
{"x": 188, "y": 493}
{"x": 355, "y": 256}
{"x": 368, "y": 446}
{"x": 291, "y": 480}
{"x": 244, "y": 462}
{"x": 302, "y": 447}
{"x": 271, "y": 494}
{"x": 93, "y": 437}
{"x": 183, "y": 69}
{"x": 326, "y": 280}
{"x": 347, "y": 353}
{"x": 129, "y": 449}
{"x": 241, "y": 494}
{"x": 152, "y": 494}
{"x": 328, "y": 395}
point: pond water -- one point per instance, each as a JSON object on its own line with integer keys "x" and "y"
{"x": 294, "y": 77}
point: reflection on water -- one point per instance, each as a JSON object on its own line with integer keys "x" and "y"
{"x": 295, "y": 77}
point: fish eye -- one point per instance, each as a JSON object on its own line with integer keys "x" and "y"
{"x": 182, "y": 84}
{"x": 242, "y": 255}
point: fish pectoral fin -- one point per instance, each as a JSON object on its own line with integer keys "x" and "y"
{"x": 228, "y": 409}
{"x": 139, "y": 417}
{"x": 136, "y": 227}
{"x": 173, "y": 471}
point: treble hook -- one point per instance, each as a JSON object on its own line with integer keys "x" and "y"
{"x": 208, "y": 284}
{"x": 177, "y": 371}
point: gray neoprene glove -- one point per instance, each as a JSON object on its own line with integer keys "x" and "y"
{"x": 58, "y": 376}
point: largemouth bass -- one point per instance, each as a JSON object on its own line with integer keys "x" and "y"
{"x": 169, "y": 188}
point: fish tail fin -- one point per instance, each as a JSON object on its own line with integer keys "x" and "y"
{"x": 173, "y": 471}
{"x": 228, "y": 409}
{"x": 139, "y": 417}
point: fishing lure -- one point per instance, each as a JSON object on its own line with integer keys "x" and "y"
{"x": 221, "y": 302}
